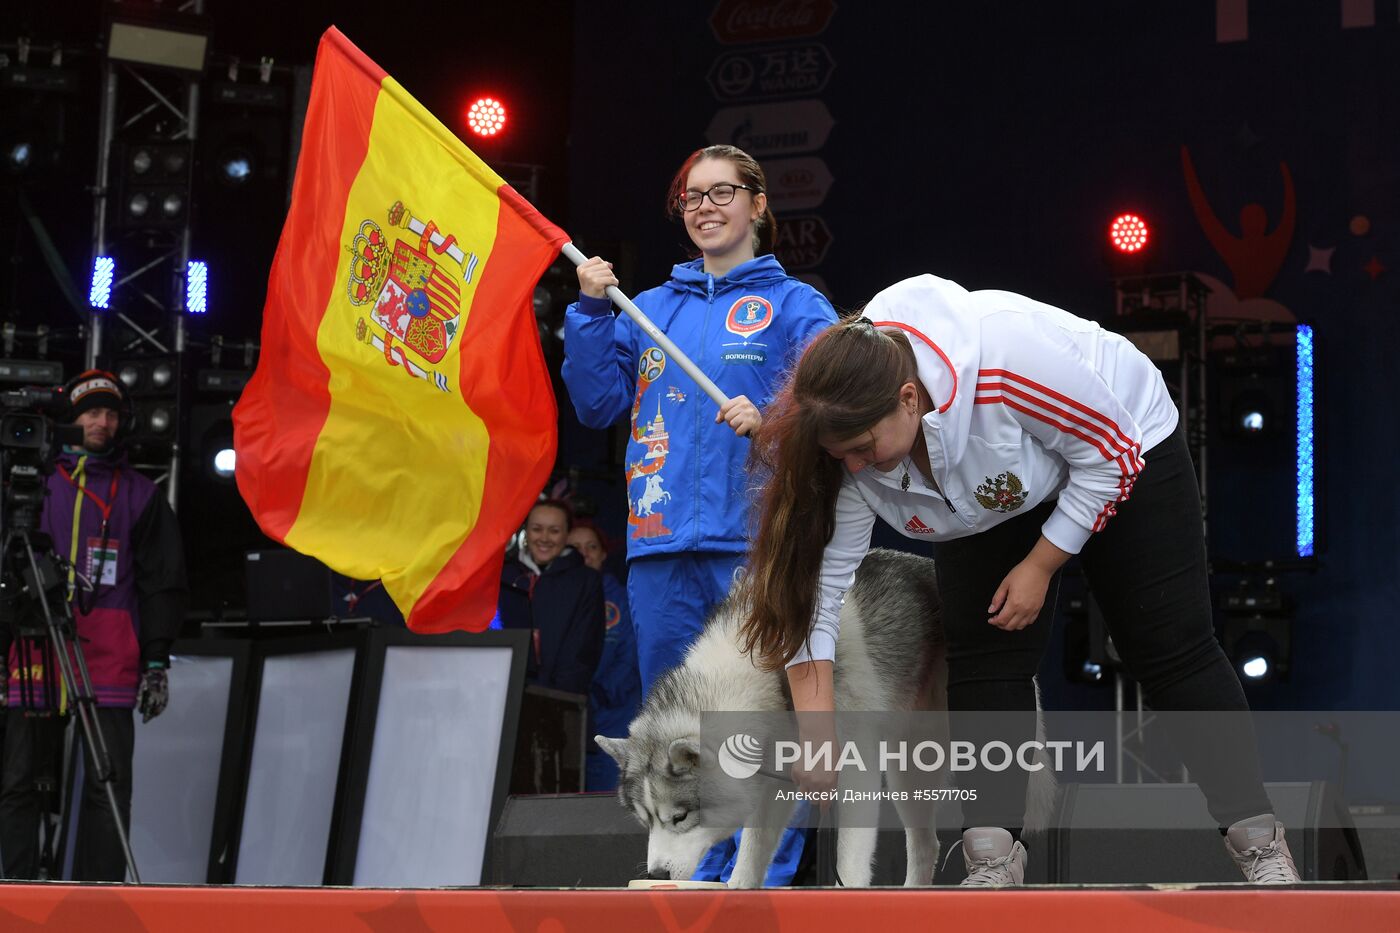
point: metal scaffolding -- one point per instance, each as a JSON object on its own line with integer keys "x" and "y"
{"x": 149, "y": 105}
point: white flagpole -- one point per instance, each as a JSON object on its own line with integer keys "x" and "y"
{"x": 654, "y": 332}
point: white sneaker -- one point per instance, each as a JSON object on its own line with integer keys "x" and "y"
{"x": 992, "y": 857}
{"x": 1258, "y": 847}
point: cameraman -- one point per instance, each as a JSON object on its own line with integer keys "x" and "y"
{"x": 126, "y": 586}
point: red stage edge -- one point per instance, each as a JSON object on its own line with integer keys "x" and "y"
{"x": 1357, "y": 907}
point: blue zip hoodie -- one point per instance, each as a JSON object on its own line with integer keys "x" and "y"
{"x": 685, "y": 474}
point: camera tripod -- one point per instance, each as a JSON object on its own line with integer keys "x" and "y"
{"x": 31, "y": 572}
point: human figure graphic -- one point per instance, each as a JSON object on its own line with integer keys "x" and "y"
{"x": 1255, "y": 256}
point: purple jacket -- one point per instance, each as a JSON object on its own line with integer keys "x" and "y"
{"x": 134, "y": 612}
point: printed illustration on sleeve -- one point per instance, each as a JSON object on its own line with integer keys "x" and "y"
{"x": 416, "y": 310}
{"x": 748, "y": 318}
{"x": 643, "y": 516}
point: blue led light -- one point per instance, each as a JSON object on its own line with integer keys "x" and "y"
{"x": 104, "y": 269}
{"x": 196, "y": 283}
{"x": 1305, "y": 440}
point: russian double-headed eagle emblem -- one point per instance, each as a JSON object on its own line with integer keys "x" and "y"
{"x": 1005, "y": 493}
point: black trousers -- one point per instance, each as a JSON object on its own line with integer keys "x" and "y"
{"x": 1147, "y": 569}
{"x": 99, "y": 855}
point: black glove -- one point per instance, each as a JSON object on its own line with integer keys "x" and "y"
{"x": 153, "y": 694}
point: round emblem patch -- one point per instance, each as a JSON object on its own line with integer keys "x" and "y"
{"x": 748, "y": 315}
{"x": 651, "y": 365}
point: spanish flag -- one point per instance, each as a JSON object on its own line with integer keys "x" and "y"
{"x": 400, "y": 421}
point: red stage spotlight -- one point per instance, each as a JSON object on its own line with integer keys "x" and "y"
{"x": 486, "y": 116}
{"x": 1128, "y": 233}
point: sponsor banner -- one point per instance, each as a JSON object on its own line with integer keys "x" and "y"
{"x": 782, "y": 71}
{"x": 798, "y": 184}
{"x": 936, "y": 757}
{"x": 773, "y": 129}
{"x": 802, "y": 241}
{"x": 736, "y": 21}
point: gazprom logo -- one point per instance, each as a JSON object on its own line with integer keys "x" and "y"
{"x": 741, "y": 756}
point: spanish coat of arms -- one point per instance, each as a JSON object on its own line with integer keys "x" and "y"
{"x": 415, "y": 299}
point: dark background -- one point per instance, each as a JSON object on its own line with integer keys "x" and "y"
{"x": 987, "y": 144}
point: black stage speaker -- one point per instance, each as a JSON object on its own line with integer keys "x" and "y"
{"x": 566, "y": 841}
{"x": 1162, "y": 833}
{"x": 284, "y": 585}
{"x": 552, "y": 742}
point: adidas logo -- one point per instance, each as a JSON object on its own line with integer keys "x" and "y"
{"x": 914, "y": 526}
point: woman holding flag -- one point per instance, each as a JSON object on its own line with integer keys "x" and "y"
{"x": 743, "y": 320}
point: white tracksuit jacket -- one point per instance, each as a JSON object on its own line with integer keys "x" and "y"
{"x": 1031, "y": 403}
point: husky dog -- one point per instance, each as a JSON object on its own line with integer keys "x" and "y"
{"x": 890, "y": 657}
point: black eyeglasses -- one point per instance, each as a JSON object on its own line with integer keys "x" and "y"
{"x": 719, "y": 196}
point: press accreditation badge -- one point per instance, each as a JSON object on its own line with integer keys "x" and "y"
{"x": 104, "y": 558}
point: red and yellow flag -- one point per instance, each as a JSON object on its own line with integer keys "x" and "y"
{"x": 400, "y": 421}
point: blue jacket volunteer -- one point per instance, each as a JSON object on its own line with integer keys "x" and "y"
{"x": 687, "y": 509}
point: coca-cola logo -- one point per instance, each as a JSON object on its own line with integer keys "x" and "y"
{"x": 762, "y": 20}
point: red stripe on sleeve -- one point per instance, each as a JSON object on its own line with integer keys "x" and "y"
{"x": 1061, "y": 398}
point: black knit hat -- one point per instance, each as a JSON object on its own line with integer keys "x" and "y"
{"x": 95, "y": 388}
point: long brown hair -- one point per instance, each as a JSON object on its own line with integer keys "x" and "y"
{"x": 765, "y": 231}
{"x": 847, "y": 380}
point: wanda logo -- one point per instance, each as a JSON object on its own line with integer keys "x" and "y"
{"x": 796, "y": 178}
{"x": 764, "y": 20}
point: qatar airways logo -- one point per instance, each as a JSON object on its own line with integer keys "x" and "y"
{"x": 760, "y": 20}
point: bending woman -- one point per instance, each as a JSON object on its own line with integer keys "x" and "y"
{"x": 1013, "y": 435}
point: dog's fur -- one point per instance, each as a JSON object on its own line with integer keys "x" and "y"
{"x": 890, "y": 657}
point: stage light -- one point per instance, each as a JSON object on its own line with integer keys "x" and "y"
{"x": 173, "y": 161}
{"x": 1257, "y": 654}
{"x": 196, "y": 287}
{"x": 153, "y": 186}
{"x": 224, "y": 461}
{"x": 1304, "y": 443}
{"x": 1254, "y": 411}
{"x": 486, "y": 116}
{"x": 150, "y": 383}
{"x": 1255, "y": 668}
{"x": 100, "y": 292}
{"x": 159, "y": 420}
{"x": 19, "y": 157}
{"x": 1257, "y": 630}
{"x": 235, "y": 168}
{"x": 1128, "y": 233}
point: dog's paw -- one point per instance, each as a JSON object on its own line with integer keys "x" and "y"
{"x": 739, "y": 882}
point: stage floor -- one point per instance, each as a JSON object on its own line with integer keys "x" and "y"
{"x": 1353, "y": 907}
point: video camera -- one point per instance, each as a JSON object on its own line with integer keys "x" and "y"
{"x": 30, "y": 442}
